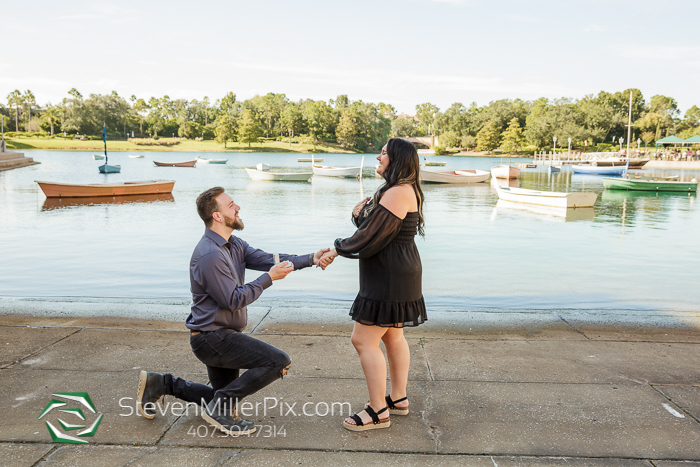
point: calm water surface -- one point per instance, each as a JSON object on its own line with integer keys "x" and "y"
{"x": 632, "y": 251}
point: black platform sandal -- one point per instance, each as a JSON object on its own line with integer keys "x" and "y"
{"x": 376, "y": 421}
{"x": 393, "y": 410}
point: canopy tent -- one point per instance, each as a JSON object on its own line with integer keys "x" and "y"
{"x": 695, "y": 139}
{"x": 670, "y": 140}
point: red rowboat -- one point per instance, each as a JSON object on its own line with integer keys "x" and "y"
{"x": 176, "y": 164}
{"x": 67, "y": 190}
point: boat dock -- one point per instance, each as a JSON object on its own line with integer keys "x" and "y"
{"x": 567, "y": 158}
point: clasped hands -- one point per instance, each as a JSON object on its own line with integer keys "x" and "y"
{"x": 324, "y": 257}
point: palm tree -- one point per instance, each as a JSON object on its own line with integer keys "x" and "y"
{"x": 50, "y": 115}
{"x": 29, "y": 100}
{"x": 15, "y": 98}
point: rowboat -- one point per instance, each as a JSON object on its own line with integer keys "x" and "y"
{"x": 69, "y": 190}
{"x": 176, "y": 164}
{"x": 523, "y": 165}
{"x": 109, "y": 169}
{"x": 433, "y": 163}
{"x": 635, "y": 163}
{"x": 135, "y": 156}
{"x": 639, "y": 183}
{"x": 553, "y": 168}
{"x": 454, "y": 176}
{"x": 343, "y": 172}
{"x": 212, "y": 161}
{"x": 98, "y": 157}
{"x": 308, "y": 159}
{"x": 547, "y": 198}
{"x": 266, "y": 175}
{"x": 505, "y": 172}
{"x": 263, "y": 166}
{"x": 597, "y": 170}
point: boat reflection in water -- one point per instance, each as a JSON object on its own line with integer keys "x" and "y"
{"x": 558, "y": 214}
{"x": 51, "y": 204}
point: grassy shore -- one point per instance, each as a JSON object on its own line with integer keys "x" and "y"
{"x": 184, "y": 146}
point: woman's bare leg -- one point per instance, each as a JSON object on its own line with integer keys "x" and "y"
{"x": 366, "y": 341}
{"x": 399, "y": 356}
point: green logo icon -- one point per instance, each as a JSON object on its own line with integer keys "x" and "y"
{"x": 71, "y": 414}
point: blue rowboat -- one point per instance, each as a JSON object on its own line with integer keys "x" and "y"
{"x": 553, "y": 169}
{"x": 110, "y": 169}
{"x": 596, "y": 170}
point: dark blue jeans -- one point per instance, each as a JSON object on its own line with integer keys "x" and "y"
{"x": 225, "y": 352}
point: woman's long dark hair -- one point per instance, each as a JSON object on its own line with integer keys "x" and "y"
{"x": 403, "y": 169}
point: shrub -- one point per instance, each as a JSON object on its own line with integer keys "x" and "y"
{"x": 440, "y": 150}
{"x": 156, "y": 142}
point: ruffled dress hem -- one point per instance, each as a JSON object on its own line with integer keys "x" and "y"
{"x": 388, "y": 314}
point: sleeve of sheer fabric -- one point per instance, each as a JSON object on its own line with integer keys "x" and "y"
{"x": 376, "y": 232}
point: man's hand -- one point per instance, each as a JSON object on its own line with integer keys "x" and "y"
{"x": 318, "y": 255}
{"x": 327, "y": 258}
{"x": 280, "y": 271}
{"x": 359, "y": 207}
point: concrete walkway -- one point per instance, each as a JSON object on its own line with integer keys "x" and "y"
{"x": 487, "y": 388}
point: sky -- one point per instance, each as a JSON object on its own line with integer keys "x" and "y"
{"x": 401, "y": 52}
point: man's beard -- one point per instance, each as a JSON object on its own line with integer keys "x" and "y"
{"x": 234, "y": 223}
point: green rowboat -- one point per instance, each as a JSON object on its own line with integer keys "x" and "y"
{"x": 641, "y": 183}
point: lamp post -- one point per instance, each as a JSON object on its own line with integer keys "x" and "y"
{"x": 569, "y": 148}
{"x": 621, "y": 140}
{"x": 2, "y": 128}
{"x": 639, "y": 143}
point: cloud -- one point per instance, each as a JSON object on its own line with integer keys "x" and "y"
{"x": 593, "y": 28}
{"x": 525, "y": 19}
{"x": 684, "y": 55}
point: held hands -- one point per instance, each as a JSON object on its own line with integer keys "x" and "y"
{"x": 359, "y": 207}
{"x": 327, "y": 258}
{"x": 280, "y": 271}
{"x": 319, "y": 255}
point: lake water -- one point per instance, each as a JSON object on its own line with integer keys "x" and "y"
{"x": 632, "y": 251}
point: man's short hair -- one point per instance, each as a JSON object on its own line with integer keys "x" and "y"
{"x": 207, "y": 204}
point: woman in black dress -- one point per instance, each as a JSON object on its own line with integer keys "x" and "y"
{"x": 390, "y": 294}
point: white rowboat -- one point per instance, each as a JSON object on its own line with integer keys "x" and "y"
{"x": 212, "y": 161}
{"x": 505, "y": 172}
{"x": 135, "y": 156}
{"x": 343, "y": 172}
{"x": 98, "y": 157}
{"x": 547, "y": 198}
{"x": 454, "y": 176}
{"x": 266, "y": 175}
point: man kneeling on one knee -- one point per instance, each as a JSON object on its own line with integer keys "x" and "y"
{"x": 218, "y": 316}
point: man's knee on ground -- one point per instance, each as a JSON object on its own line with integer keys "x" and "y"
{"x": 283, "y": 362}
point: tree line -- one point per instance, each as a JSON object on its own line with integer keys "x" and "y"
{"x": 507, "y": 124}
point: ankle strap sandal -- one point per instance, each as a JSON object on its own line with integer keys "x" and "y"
{"x": 393, "y": 410}
{"x": 376, "y": 421}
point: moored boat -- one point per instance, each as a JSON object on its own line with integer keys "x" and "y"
{"x": 598, "y": 170}
{"x": 71, "y": 190}
{"x": 176, "y": 164}
{"x": 547, "y": 198}
{"x": 642, "y": 183}
{"x": 454, "y": 176}
{"x": 505, "y": 172}
{"x": 553, "y": 168}
{"x": 343, "y": 172}
{"x": 109, "y": 169}
{"x": 212, "y": 161}
{"x": 98, "y": 157}
{"x": 308, "y": 159}
{"x": 266, "y": 175}
{"x": 135, "y": 156}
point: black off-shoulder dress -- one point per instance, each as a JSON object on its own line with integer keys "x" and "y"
{"x": 390, "y": 269}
